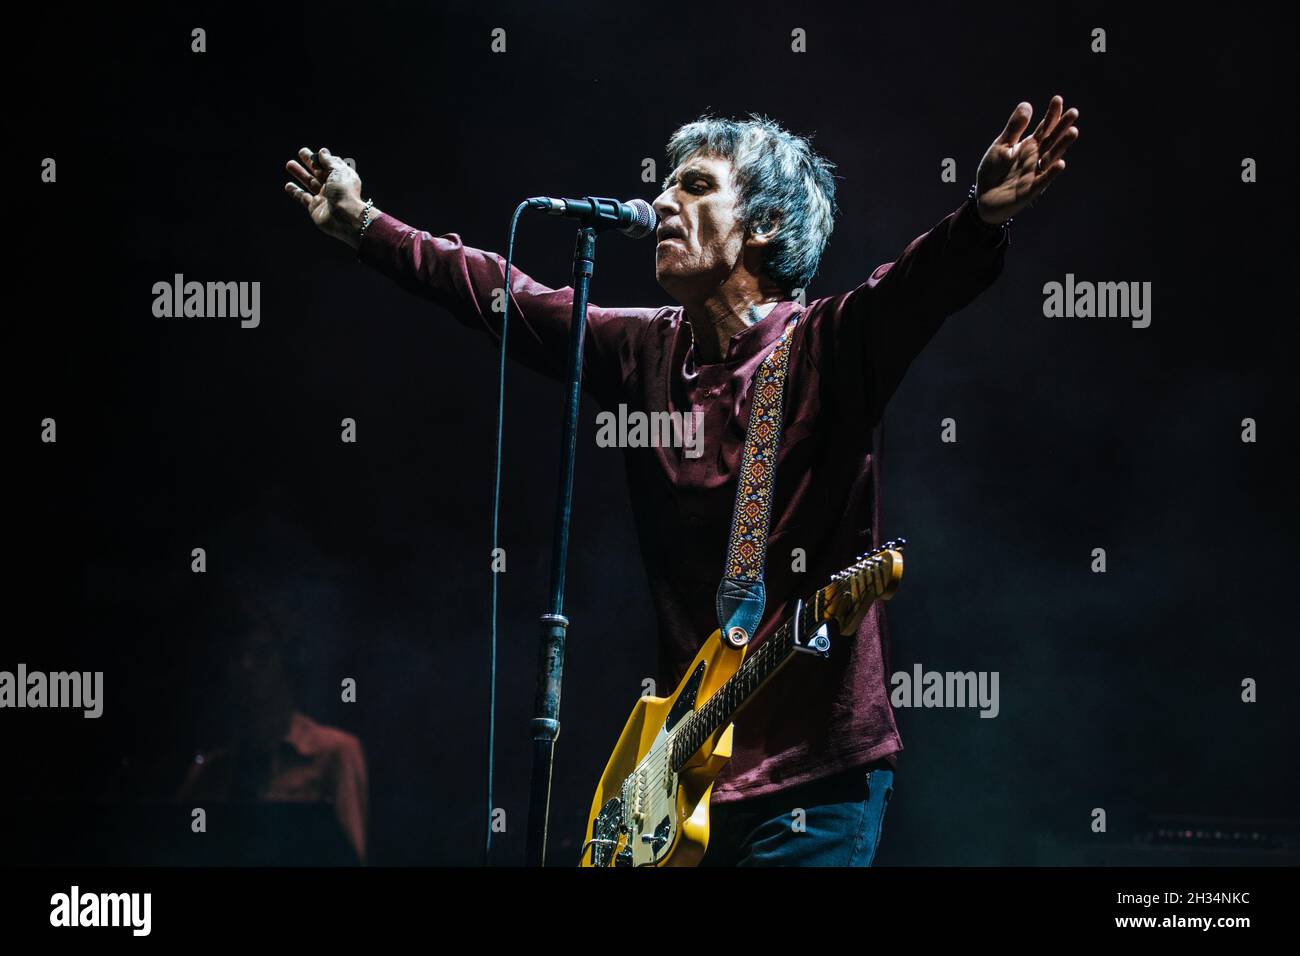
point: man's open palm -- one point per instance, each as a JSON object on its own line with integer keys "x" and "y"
{"x": 1015, "y": 172}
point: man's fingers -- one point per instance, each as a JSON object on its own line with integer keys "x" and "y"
{"x": 1048, "y": 122}
{"x": 1045, "y": 178}
{"x": 1016, "y": 124}
{"x": 1062, "y": 129}
{"x": 299, "y": 194}
{"x": 319, "y": 163}
{"x": 308, "y": 158}
{"x": 1059, "y": 145}
{"x": 305, "y": 179}
{"x": 326, "y": 160}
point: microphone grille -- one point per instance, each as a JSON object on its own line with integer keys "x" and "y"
{"x": 645, "y": 219}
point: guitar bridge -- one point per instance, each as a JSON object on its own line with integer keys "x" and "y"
{"x": 605, "y": 833}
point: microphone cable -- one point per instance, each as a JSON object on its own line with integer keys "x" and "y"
{"x": 496, "y": 527}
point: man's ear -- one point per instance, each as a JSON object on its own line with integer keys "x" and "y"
{"x": 765, "y": 229}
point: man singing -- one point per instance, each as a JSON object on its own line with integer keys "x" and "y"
{"x": 744, "y": 217}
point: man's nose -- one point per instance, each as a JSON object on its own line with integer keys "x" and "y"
{"x": 663, "y": 205}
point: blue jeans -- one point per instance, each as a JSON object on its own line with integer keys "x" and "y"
{"x": 840, "y": 824}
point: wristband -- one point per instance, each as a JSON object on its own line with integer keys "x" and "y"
{"x": 987, "y": 225}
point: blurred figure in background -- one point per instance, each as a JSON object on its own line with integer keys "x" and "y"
{"x": 278, "y": 754}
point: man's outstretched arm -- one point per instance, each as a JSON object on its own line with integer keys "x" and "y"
{"x": 464, "y": 280}
{"x": 872, "y": 334}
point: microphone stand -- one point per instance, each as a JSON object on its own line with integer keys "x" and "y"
{"x": 550, "y": 664}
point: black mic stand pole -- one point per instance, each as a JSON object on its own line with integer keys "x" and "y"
{"x": 550, "y": 665}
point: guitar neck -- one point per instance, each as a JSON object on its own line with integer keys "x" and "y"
{"x": 844, "y": 601}
{"x": 757, "y": 669}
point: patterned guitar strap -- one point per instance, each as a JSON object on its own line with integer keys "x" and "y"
{"x": 741, "y": 594}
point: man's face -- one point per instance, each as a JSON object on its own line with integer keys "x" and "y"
{"x": 257, "y": 667}
{"x": 700, "y": 239}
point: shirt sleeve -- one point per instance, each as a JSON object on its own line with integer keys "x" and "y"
{"x": 465, "y": 281}
{"x": 865, "y": 339}
{"x": 351, "y": 796}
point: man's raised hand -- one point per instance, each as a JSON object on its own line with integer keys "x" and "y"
{"x": 330, "y": 190}
{"x": 1015, "y": 172}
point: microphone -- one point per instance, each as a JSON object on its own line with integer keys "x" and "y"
{"x": 635, "y": 219}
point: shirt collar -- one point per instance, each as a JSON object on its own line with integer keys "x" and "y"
{"x": 755, "y": 338}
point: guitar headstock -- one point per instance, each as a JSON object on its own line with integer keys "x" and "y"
{"x": 873, "y": 576}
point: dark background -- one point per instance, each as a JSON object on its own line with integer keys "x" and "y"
{"x": 1118, "y": 690}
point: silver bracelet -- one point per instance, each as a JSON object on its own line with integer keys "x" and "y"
{"x": 365, "y": 218}
{"x": 972, "y": 198}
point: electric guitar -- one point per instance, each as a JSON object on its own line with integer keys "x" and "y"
{"x": 651, "y": 807}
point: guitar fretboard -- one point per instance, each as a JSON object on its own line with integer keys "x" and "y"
{"x": 720, "y": 709}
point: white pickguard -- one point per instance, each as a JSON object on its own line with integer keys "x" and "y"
{"x": 650, "y": 803}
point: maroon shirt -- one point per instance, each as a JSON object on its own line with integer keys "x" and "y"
{"x": 313, "y": 764}
{"x": 848, "y": 354}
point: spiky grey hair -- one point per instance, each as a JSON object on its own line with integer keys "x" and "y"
{"x": 777, "y": 176}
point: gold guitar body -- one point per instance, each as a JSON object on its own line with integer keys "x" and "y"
{"x": 651, "y": 807}
{"x": 644, "y": 814}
